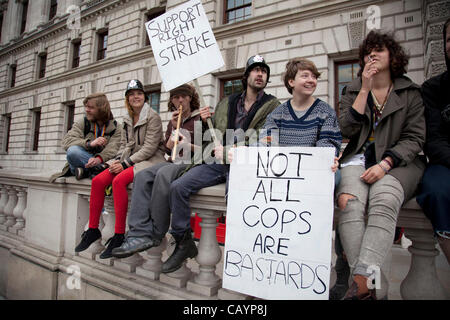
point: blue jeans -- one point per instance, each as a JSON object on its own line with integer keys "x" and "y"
{"x": 434, "y": 198}
{"x": 202, "y": 176}
{"x": 77, "y": 157}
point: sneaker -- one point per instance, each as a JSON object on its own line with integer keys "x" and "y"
{"x": 113, "y": 242}
{"x": 337, "y": 292}
{"x": 87, "y": 238}
{"x": 81, "y": 173}
{"x": 133, "y": 245}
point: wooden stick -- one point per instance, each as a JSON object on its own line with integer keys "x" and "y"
{"x": 208, "y": 121}
{"x": 177, "y": 132}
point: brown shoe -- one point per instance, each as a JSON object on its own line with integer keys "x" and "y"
{"x": 353, "y": 293}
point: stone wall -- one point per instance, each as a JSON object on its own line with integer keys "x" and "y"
{"x": 323, "y": 31}
{"x": 434, "y": 15}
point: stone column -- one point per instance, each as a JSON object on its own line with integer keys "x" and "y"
{"x": 38, "y": 11}
{"x": 11, "y": 22}
{"x": 3, "y": 202}
{"x": 96, "y": 247}
{"x": 19, "y": 210}
{"x": 180, "y": 277}
{"x": 421, "y": 281}
{"x": 206, "y": 282}
{"x": 9, "y": 208}
{"x": 152, "y": 261}
{"x": 129, "y": 264}
{"x": 108, "y": 217}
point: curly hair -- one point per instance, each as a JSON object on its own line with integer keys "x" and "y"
{"x": 398, "y": 58}
{"x": 187, "y": 90}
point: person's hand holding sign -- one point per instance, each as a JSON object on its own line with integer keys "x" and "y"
{"x": 218, "y": 152}
{"x": 335, "y": 165}
{"x": 205, "y": 113}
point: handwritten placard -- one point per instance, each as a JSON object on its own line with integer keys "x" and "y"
{"x": 279, "y": 222}
{"x": 183, "y": 44}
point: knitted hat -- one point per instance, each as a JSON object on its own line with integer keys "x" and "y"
{"x": 184, "y": 90}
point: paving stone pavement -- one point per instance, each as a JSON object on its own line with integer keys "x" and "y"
{"x": 396, "y": 268}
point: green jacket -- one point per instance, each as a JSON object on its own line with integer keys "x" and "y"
{"x": 80, "y": 134}
{"x": 224, "y": 118}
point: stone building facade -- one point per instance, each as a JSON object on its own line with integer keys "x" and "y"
{"x": 55, "y": 53}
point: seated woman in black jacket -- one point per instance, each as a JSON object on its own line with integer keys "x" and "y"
{"x": 435, "y": 194}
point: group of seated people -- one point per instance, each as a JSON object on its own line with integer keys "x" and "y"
{"x": 389, "y": 122}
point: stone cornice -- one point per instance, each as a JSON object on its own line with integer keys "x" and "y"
{"x": 143, "y": 53}
{"x": 49, "y": 30}
{"x": 288, "y": 16}
{"x": 221, "y": 32}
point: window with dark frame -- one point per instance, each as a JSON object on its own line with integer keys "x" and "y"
{"x": 13, "y": 70}
{"x": 70, "y": 115}
{"x": 230, "y": 86}
{"x": 36, "y": 127}
{"x": 237, "y": 10}
{"x": 154, "y": 98}
{"x": 102, "y": 45}
{"x": 345, "y": 72}
{"x": 23, "y": 23}
{"x": 7, "y": 131}
{"x": 76, "y": 47}
{"x": 42, "y": 65}
{"x": 150, "y": 16}
{"x": 53, "y": 9}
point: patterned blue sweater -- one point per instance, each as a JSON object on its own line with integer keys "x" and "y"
{"x": 318, "y": 127}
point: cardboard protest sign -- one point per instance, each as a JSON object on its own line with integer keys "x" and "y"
{"x": 183, "y": 44}
{"x": 279, "y": 222}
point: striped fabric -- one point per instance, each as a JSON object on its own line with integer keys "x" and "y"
{"x": 318, "y": 127}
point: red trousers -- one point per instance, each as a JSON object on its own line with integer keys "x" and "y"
{"x": 120, "y": 194}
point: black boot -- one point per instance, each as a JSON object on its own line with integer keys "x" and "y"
{"x": 113, "y": 242}
{"x": 87, "y": 238}
{"x": 185, "y": 248}
{"x": 342, "y": 274}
